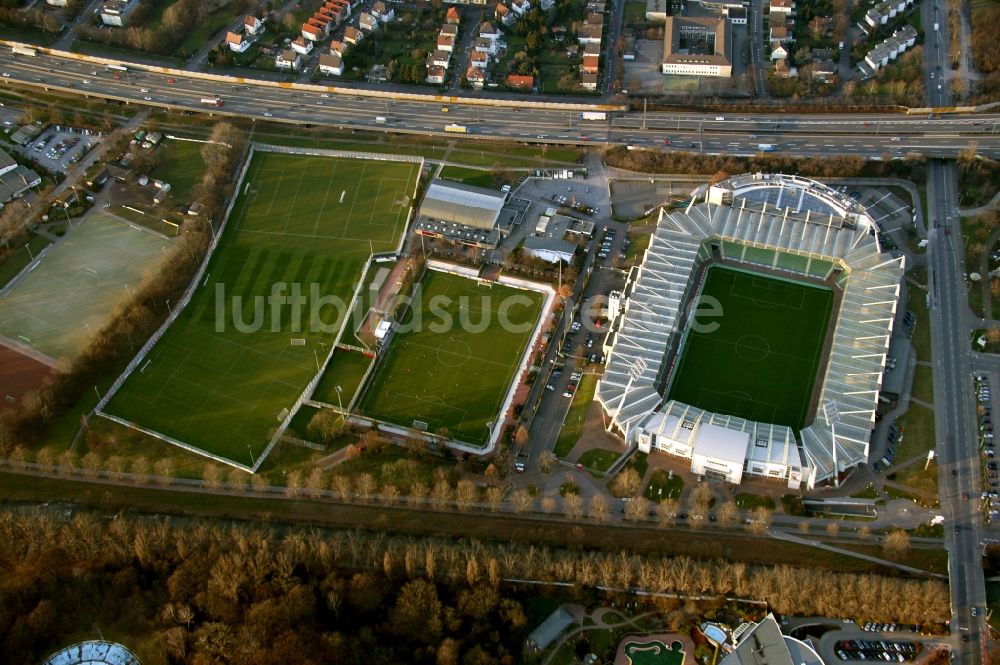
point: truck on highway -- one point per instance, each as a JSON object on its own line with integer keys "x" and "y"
{"x": 593, "y": 115}
{"x": 24, "y": 50}
{"x": 456, "y": 129}
{"x": 380, "y": 120}
{"x": 935, "y": 26}
{"x": 765, "y": 147}
{"x": 211, "y": 101}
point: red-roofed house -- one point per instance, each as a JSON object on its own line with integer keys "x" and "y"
{"x": 435, "y": 74}
{"x": 236, "y": 42}
{"x": 453, "y": 16}
{"x": 352, "y": 35}
{"x": 302, "y": 46}
{"x": 521, "y": 82}
{"x": 589, "y": 82}
{"x": 445, "y": 43}
{"x": 367, "y": 22}
{"x": 479, "y": 59}
{"x": 338, "y": 47}
{"x": 253, "y": 25}
{"x": 312, "y": 32}
{"x": 384, "y": 12}
{"x": 476, "y": 77}
{"x": 590, "y": 63}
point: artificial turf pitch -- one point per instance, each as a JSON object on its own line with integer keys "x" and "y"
{"x": 453, "y": 376}
{"x": 302, "y": 220}
{"x": 762, "y": 359}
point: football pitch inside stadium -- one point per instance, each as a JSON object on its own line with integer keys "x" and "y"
{"x": 454, "y": 376}
{"x": 762, "y": 359}
{"x": 224, "y": 373}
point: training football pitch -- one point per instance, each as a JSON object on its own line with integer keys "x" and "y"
{"x": 454, "y": 375}
{"x": 761, "y": 361}
{"x": 64, "y": 301}
{"x": 235, "y": 359}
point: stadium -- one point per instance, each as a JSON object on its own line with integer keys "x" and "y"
{"x": 785, "y": 384}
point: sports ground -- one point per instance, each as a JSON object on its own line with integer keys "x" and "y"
{"x": 453, "y": 376}
{"x": 225, "y": 372}
{"x": 762, "y": 360}
{"x": 58, "y": 306}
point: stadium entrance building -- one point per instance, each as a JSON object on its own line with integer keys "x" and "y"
{"x": 785, "y": 226}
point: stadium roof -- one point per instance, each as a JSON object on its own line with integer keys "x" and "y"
{"x": 93, "y": 653}
{"x": 721, "y": 443}
{"x": 630, "y": 387}
{"x": 762, "y": 645}
{"x": 463, "y": 204}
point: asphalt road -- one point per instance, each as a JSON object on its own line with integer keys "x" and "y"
{"x": 868, "y": 135}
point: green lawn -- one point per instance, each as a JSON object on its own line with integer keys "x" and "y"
{"x": 181, "y": 166}
{"x": 477, "y": 177}
{"x": 923, "y": 384}
{"x": 236, "y": 358}
{"x": 454, "y": 358}
{"x": 21, "y": 257}
{"x": 203, "y": 31}
{"x": 346, "y": 369}
{"x": 918, "y": 433}
{"x": 661, "y": 486}
{"x": 573, "y": 425}
{"x": 653, "y": 653}
{"x": 599, "y": 459}
{"x": 761, "y": 359}
{"x": 748, "y": 501}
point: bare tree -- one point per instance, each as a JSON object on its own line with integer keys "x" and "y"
{"x": 666, "y": 512}
{"x": 760, "y": 520}
{"x": 599, "y": 509}
{"x": 466, "y": 494}
{"x": 701, "y": 496}
{"x": 572, "y": 504}
{"x": 546, "y": 460}
{"x": 441, "y": 494}
{"x": 637, "y": 509}
{"x": 729, "y": 514}
{"x": 896, "y": 543}
{"x": 833, "y": 529}
{"x": 522, "y": 500}
{"x": 494, "y": 497}
{"x": 626, "y": 483}
{"x": 804, "y": 526}
{"x": 164, "y": 469}
{"x": 364, "y": 486}
{"x": 548, "y": 504}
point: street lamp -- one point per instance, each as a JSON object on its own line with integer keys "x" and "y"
{"x": 339, "y": 402}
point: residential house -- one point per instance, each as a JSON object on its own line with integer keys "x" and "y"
{"x": 521, "y": 82}
{"x": 114, "y": 12}
{"x": 384, "y": 12}
{"x": 253, "y": 26}
{"x": 352, "y": 35}
{"x": 591, "y": 49}
{"x": 435, "y": 74}
{"x": 302, "y": 46}
{"x": 779, "y": 53}
{"x": 588, "y": 82}
{"x": 487, "y": 46}
{"x": 439, "y": 59}
{"x": 505, "y": 15}
{"x": 338, "y": 47}
{"x": 312, "y": 32}
{"x": 824, "y": 70}
{"x": 779, "y": 35}
{"x": 590, "y": 64}
{"x": 737, "y": 15}
{"x": 288, "y": 59}
{"x": 783, "y": 6}
{"x": 595, "y": 19}
{"x": 331, "y": 63}
{"x": 336, "y": 13}
{"x": 476, "y": 77}
{"x": 321, "y": 21}
{"x": 449, "y": 30}
{"x": 479, "y": 59}
{"x": 546, "y": 5}
{"x": 367, "y": 22}
{"x": 777, "y": 18}
{"x": 445, "y": 43}
{"x": 520, "y": 7}
{"x": 453, "y": 16}
{"x": 590, "y": 34}
{"x": 237, "y": 44}
{"x": 489, "y": 31}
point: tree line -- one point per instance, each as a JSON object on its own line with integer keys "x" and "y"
{"x": 204, "y": 592}
{"x": 133, "y": 321}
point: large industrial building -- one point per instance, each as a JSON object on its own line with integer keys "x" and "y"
{"x": 15, "y": 179}
{"x": 778, "y": 224}
{"x": 462, "y": 213}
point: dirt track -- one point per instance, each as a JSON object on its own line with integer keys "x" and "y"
{"x": 18, "y": 374}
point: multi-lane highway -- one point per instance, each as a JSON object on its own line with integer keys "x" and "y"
{"x": 820, "y": 134}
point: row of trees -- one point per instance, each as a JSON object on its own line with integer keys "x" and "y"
{"x": 247, "y": 595}
{"x": 137, "y": 318}
{"x": 841, "y": 166}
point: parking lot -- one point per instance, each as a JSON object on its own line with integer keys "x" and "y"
{"x": 887, "y": 651}
{"x": 990, "y": 496}
{"x": 58, "y": 147}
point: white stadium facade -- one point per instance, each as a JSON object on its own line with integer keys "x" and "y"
{"x": 780, "y": 224}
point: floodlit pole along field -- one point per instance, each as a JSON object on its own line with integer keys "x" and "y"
{"x": 453, "y": 376}
{"x": 247, "y": 344}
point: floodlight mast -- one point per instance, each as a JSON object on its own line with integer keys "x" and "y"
{"x": 832, "y": 416}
